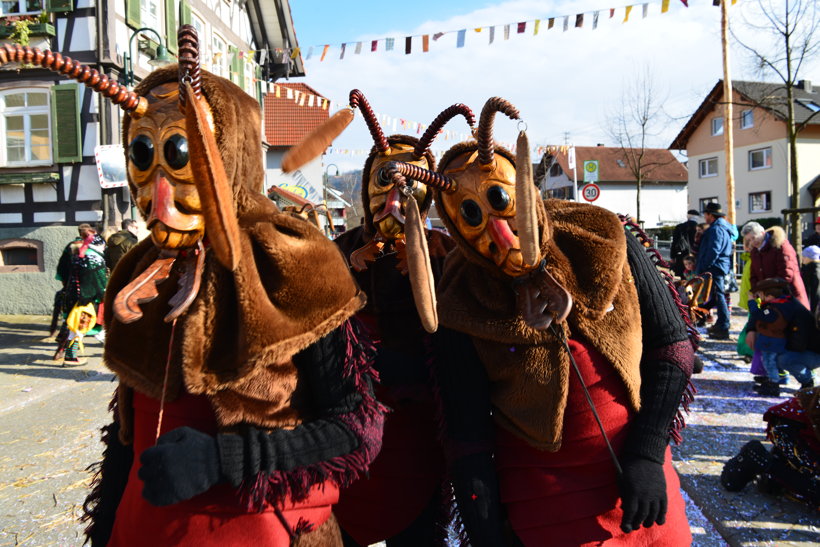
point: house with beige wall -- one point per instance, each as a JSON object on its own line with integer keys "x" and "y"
{"x": 761, "y": 149}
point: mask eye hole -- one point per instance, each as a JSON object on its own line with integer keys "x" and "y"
{"x": 471, "y": 212}
{"x": 382, "y": 178}
{"x": 176, "y": 151}
{"x": 498, "y": 197}
{"x": 141, "y": 152}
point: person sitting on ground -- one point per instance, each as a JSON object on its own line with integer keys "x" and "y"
{"x": 793, "y": 466}
{"x": 810, "y": 273}
{"x": 772, "y": 319}
{"x": 121, "y": 242}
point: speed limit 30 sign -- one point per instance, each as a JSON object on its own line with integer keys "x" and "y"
{"x": 591, "y": 192}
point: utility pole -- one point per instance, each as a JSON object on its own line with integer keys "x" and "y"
{"x": 728, "y": 125}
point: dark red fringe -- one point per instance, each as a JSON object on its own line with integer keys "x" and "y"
{"x": 366, "y": 422}
{"x": 679, "y": 423}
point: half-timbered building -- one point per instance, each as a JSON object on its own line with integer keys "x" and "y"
{"x": 52, "y": 129}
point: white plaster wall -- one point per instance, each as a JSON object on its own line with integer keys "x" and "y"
{"x": 44, "y": 193}
{"x": 67, "y": 181}
{"x": 11, "y": 218}
{"x": 660, "y": 205}
{"x": 12, "y": 193}
{"x": 89, "y": 216}
{"x": 85, "y": 4}
{"x": 49, "y": 217}
{"x": 84, "y": 36}
{"x": 89, "y": 187}
{"x": 91, "y": 138}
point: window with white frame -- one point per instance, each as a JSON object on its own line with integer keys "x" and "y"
{"x": 717, "y": 126}
{"x": 708, "y": 167}
{"x": 760, "y": 159}
{"x": 199, "y": 24}
{"x": 26, "y": 136}
{"x": 746, "y": 119}
{"x": 150, "y": 11}
{"x": 760, "y": 202}
{"x": 704, "y": 201}
{"x": 20, "y": 7}
{"x": 219, "y": 66}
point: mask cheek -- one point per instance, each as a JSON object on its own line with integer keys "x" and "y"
{"x": 187, "y": 198}
{"x": 143, "y": 198}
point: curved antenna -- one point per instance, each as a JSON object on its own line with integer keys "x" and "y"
{"x": 446, "y": 115}
{"x": 357, "y": 100}
{"x": 398, "y": 170}
{"x": 189, "y": 67}
{"x": 484, "y": 136}
{"x": 116, "y": 93}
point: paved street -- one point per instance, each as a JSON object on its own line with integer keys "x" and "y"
{"x": 50, "y": 418}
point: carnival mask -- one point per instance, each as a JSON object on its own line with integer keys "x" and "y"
{"x": 160, "y": 171}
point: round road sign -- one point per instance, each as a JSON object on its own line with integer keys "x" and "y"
{"x": 591, "y": 192}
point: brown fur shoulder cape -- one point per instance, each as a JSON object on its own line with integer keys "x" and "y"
{"x": 235, "y": 342}
{"x": 585, "y": 250}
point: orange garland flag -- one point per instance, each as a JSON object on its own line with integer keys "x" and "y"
{"x": 626, "y": 15}
{"x": 425, "y": 43}
{"x": 324, "y": 52}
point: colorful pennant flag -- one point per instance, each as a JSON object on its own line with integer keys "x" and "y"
{"x": 462, "y": 34}
{"x": 579, "y": 20}
{"x": 626, "y": 15}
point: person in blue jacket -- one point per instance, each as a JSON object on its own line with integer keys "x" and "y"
{"x": 715, "y": 257}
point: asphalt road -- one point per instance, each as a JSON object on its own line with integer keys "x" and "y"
{"x": 49, "y": 434}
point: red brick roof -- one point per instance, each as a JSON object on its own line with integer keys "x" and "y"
{"x": 659, "y": 164}
{"x": 286, "y": 123}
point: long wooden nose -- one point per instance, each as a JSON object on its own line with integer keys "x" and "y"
{"x": 501, "y": 234}
{"x": 164, "y": 208}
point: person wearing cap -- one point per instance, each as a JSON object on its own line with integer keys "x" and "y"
{"x": 715, "y": 257}
{"x": 774, "y": 256}
{"x": 814, "y": 237}
{"x": 683, "y": 241}
{"x": 810, "y": 273}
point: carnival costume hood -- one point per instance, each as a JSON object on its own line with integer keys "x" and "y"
{"x": 217, "y": 320}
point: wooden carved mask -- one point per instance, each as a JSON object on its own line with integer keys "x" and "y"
{"x": 160, "y": 172}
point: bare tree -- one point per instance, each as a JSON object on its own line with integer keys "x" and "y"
{"x": 635, "y": 124}
{"x": 792, "y": 26}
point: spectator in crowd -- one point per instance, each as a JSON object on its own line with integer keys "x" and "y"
{"x": 774, "y": 256}
{"x": 121, "y": 242}
{"x": 714, "y": 256}
{"x": 814, "y": 237}
{"x": 810, "y": 273}
{"x": 772, "y": 319}
{"x": 82, "y": 271}
{"x": 683, "y": 241}
{"x": 700, "y": 229}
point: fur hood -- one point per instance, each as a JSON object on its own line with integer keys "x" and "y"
{"x": 777, "y": 236}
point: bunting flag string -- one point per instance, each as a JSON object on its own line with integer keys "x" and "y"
{"x": 389, "y": 43}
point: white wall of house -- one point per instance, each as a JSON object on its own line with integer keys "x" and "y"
{"x": 748, "y": 181}
{"x": 660, "y": 204}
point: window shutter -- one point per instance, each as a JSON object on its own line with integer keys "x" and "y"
{"x": 65, "y": 122}
{"x": 58, "y": 6}
{"x": 235, "y": 60}
{"x": 171, "y": 25}
{"x": 184, "y": 12}
{"x": 132, "y": 13}
{"x": 240, "y": 78}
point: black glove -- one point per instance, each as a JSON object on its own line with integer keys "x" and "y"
{"x": 643, "y": 494}
{"x": 184, "y": 463}
{"x": 476, "y": 491}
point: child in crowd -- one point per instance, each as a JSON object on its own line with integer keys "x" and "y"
{"x": 699, "y": 231}
{"x": 810, "y": 272}
{"x": 771, "y": 319}
{"x": 689, "y": 267}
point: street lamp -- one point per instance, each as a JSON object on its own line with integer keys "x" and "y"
{"x": 327, "y": 177}
{"x": 161, "y": 59}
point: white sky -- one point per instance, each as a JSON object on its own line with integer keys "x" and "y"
{"x": 560, "y": 81}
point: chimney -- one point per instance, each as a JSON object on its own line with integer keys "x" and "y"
{"x": 600, "y": 145}
{"x": 805, "y": 85}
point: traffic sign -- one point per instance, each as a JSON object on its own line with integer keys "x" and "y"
{"x": 591, "y": 192}
{"x": 591, "y": 171}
